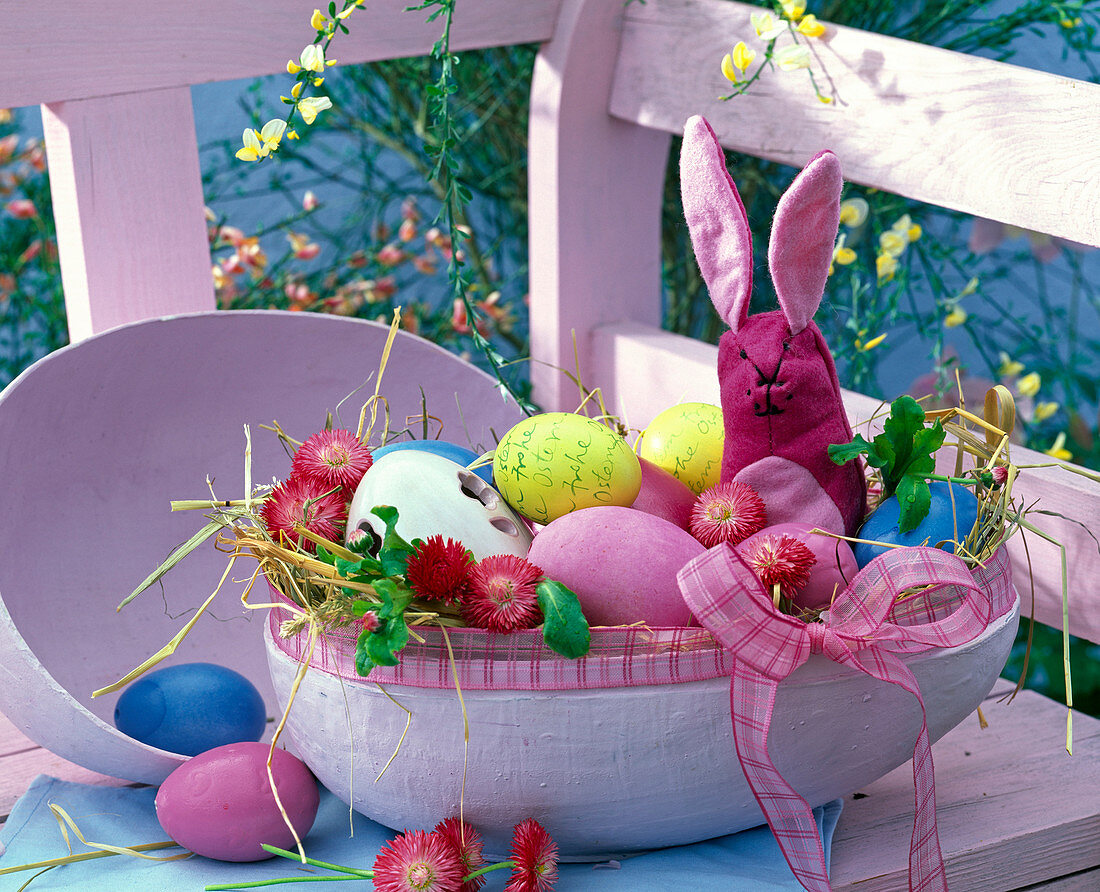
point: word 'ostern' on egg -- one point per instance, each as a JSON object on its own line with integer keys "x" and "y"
{"x": 687, "y": 440}
{"x": 552, "y": 464}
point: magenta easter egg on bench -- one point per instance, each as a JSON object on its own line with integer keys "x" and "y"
{"x": 621, "y": 563}
{"x": 191, "y": 708}
{"x": 220, "y": 805}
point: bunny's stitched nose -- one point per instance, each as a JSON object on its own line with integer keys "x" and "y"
{"x": 771, "y": 394}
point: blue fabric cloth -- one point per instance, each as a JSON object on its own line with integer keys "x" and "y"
{"x": 749, "y": 860}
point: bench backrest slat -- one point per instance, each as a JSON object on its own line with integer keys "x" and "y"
{"x": 114, "y": 78}
{"x": 982, "y": 137}
{"x": 72, "y": 49}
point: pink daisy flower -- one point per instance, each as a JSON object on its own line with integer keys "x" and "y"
{"x": 535, "y": 856}
{"x": 415, "y": 861}
{"x": 439, "y": 570}
{"x": 502, "y": 595}
{"x": 466, "y": 841}
{"x": 780, "y": 560}
{"x": 728, "y": 512}
{"x": 333, "y": 458}
{"x": 308, "y": 503}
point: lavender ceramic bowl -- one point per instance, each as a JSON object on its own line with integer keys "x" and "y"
{"x": 96, "y": 440}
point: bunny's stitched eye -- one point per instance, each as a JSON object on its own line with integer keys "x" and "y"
{"x": 744, "y": 355}
{"x": 786, "y": 346}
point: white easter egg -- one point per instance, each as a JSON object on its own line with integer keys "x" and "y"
{"x": 436, "y": 496}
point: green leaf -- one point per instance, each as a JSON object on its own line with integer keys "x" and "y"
{"x": 365, "y": 566}
{"x": 900, "y": 431}
{"x": 925, "y": 443}
{"x": 915, "y": 498}
{"x": 845, "y": 452}
{"x": 564, "y": 629}
{"x": 363, "y": 664}
{"x": 905, "y": 454}
{"x": 384, "y": 643}
{"x": 395, "y": 598}
{"x": 380, "y": 647}
{"x": 395, "y": 551}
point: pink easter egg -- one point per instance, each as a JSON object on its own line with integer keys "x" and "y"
{"x": 664, "y": 496}
{"x": 621, "y": 564}
{"x": 219, "y": 804}
{"x": 834, "y": 569}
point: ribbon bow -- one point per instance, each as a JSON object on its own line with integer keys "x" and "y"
{"x": 729, "y": 600}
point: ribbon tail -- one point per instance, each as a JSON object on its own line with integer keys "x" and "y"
{"x": 752, "y": 700}
{"x": 926, "y": 867}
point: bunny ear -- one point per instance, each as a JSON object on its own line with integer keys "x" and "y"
{"x": 803, "y": 238}
{"x": 717, "y": 222}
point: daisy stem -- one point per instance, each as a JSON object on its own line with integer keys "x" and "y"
{"x": 219, "y": 887}
{"x": 488, "y": 867}
{"x": 965, "y": 481}
{"x": 294, "y": 856}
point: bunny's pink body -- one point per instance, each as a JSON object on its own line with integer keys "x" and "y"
{"x": 780, "y": 394}
{"x": 776, "y": 401}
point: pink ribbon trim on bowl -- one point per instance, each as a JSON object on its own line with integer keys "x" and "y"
{"x": 865, "y": 628}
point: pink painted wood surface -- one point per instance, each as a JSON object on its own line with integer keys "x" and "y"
{"x": 1013, "y": 808}
{"x": 982, "y": 137}
{"x": 128, "y": 203}
{"x": 120, "y": 46}
{"x": 679, "y": 369}
{"x": 595, "y": 189}
{"x": 22, "y": 760}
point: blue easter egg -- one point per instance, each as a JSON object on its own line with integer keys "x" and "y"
{"x": 944, "y": 519}
{"x": 458, "y": 454}
{"x": 191, "y": 708}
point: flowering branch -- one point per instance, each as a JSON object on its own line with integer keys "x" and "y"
{"x": 455, "y": 195}
{"x": 309, "y": 71}
{"x": 791, "y": 19}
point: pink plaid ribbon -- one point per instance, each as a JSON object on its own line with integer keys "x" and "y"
{"x": 729, "y": 600}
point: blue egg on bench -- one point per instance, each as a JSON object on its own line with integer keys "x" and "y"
{"x": 191, "y": 708}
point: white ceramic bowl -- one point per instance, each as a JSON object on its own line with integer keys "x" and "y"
{"x": 617, "y": 770}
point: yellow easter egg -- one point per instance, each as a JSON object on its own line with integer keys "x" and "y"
{"x": 557, "y": 462}
{"x": 687, "y": 441}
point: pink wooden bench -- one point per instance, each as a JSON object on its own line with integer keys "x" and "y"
{"x": 611, "y": 84}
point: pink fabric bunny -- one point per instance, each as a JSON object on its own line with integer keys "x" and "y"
{"x": 780, "y": 395}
